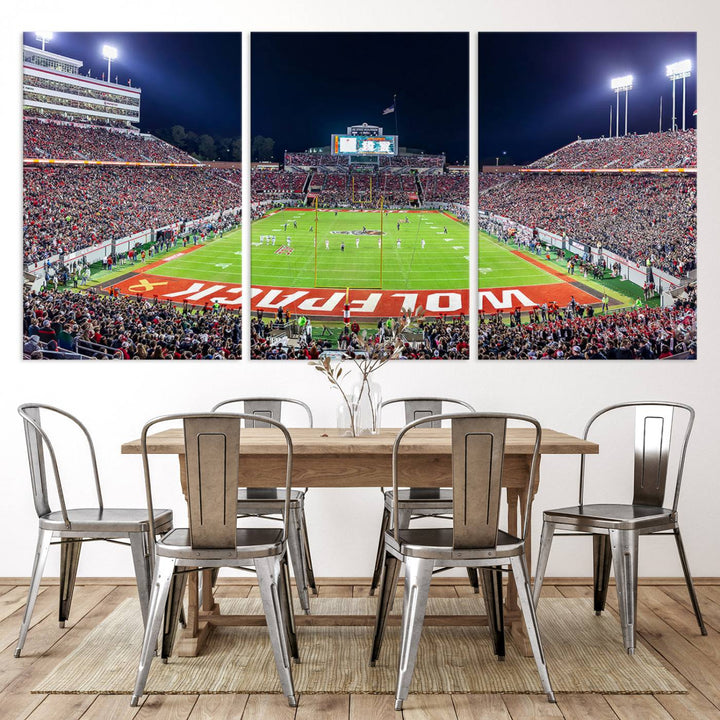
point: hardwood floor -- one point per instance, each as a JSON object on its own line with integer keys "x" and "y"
{"x": 665, "y": 623}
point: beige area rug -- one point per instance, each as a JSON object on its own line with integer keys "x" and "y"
{"x": 584, "y": 654}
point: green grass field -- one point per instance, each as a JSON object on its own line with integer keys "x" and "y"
{"x": 220, "y": 260}
{"x": 498, "y": 267}
{"x": 441, "y": 264}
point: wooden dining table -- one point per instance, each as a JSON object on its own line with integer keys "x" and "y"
{"x": 322, "y": 457}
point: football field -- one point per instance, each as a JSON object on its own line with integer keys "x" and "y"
{"x": 424, "y": 256}
{"x": 420, "y": 250}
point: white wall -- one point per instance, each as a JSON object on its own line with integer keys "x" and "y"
{"x": 115, "y": 399}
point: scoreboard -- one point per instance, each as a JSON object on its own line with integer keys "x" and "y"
{"x": 363, "y": 145}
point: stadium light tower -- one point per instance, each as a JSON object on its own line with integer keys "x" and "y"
{"x": 111, "y": 54}
{"x": 44, "y": 37}
{"x": 679, "y": 71}
{"x": 621, "y": 84}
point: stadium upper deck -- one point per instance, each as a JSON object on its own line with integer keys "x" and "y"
{"x": 655, "y": 150}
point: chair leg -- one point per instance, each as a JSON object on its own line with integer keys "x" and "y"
{"x": 296, "y": 557}
{"x": 624, "y": 545}
{"x": 385, "y": 602}
{"x": 41, "y": 552}
{"x": 546, "y": 538}
{"x": 522, "y": 582}
{"x": 380, "y": 557}
{"x": 493, "y": 597}
{"x": 602, "y": 561}
{"x": 286, "y": 608}
{"x": 143, "y": 570}
{"x": 69, "y": 559}
{"x": 689, "y": 581}
{"x": 173, "y": 607}
{"x": 474, "y": 580}
{"x": 268, "y": 574}
{"x": 164, "y": 571}
{"x": 307, "y": 558}
{"x": 418, "y": 574}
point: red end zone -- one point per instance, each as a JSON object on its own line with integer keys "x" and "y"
{"x": 363, "y": 303}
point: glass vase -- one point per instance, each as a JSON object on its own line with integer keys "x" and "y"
{"x": 367, "y": 398}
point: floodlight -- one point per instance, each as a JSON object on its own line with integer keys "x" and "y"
{"x": 619, "y": 84}
{"x": 44, "y": 37}
{"x": 678, "y": 69}
{"x": 111, "y": 54}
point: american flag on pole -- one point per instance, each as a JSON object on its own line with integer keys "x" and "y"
{"x": 390, "y": 109}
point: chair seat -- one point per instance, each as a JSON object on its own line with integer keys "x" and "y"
{"x": 257, "y": 499}
{"x": 121, "y": 520}
{"x": 437, "y": 543}
{"x": 421, "y": 499}
{"x": 250, "y": 543}
{"x": 615, "y": 517}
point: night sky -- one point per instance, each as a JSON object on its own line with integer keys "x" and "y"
{"x": 188, "y": 79}
{"x": 307, "y": 86}
{"x": 539, "y": 91}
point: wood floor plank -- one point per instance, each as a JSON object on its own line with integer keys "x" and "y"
{"x": 232, "y": 591}
{"x": 46, "y": 603}
{"x": 632, "y": 707}
{"x": 62, "y": 707}
{"x": 375, "y": 707}
{"x": 709, "y": 609}
{"x": 268, "y": 707}
{"x": 50, "y": 645}
{"x": 429, "y": 707}
{"x": 335, "y": 591}
{"x": 530, "y": 707}
{"x": 167, "y": 707}
{"x": 692, "y": 705}
{"x": 219, "y": 707}
{"x": 686, "y": 659}
{"x": 13, "y": 600}
{"x": 328, "y": 707}
{"x": 113, "y": 707}
{"x": 585, "y": 707}
{"x": 480, "y": 707}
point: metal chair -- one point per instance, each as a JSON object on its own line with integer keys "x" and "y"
{"x": 70, "y": 527}
{"x": 213, "y": 540}
{"x": 268, "y": 502}
{"x": 417, "y": 502}
{"x": 616, "y": 528}
{"x": 474, "y": 540}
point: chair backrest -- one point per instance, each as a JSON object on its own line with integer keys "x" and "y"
{"x": 653, "y": 441}
{"x": 212, "y": 464}
{"x": 264, "y": 407}
{"x": 478, "y": 449}
{"x": 37, "y": 441}
{"x": 421, "y": 407}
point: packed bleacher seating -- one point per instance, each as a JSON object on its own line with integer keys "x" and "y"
{"x": 105, "y": 327}
{"x": 67, "y": 208}
{"x": 637, "y": 216}
{"x": 445, "y": 188}
{"x": 268, "y": 183}
{"x": 64, "y": 141}
{"x": 654, "y": 150}
{"x": 385, "y": 161}
{"x": 579, "y": 334}
{"x": 442, "y": 339}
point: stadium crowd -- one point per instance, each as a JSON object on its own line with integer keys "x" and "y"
{"x": 67, "y": 208}
{"x": 439, "y": 338}
{"x": 64, "y": 141}
{"x": 577, "y": 333}
{"x": 654, "y": 150}
{"x": 126, "y": 328}
{"x": 639, "y": 217}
